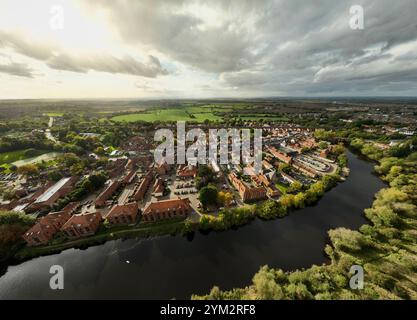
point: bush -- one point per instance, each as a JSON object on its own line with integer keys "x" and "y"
{"x": 271, "y": 209}
{"x": 265, "y": 285}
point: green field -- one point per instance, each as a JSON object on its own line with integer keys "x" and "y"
{"x": 198, "y": 114}
{"x": 12, "y": 156}
{"x": 43, "y": 157}
{"x": 20, "y": 158}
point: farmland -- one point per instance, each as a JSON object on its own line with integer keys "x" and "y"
{"x": 198, "y": 114}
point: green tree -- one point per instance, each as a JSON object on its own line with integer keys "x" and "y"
{"x": 12, "y": 226}
{"x": 208, "y": 195}
{"x": 271, "y": 209}
{"x": 265, "y": 285}
{"x": 295, "y": 187}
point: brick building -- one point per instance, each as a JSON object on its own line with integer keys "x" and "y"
{"x": 82, "y": 225}
{"x": 166, "y": 209}
{"x": 281, "y": 155}
{"x": 107, "y": 193}
{"x": 46, "y": 227}
{"x": 123, "y": 214}
{"x": 246, "y": 192}
{"x": 53, "y": 193}
{"x": 187, "y": 171}
{"x": 140, "y": 191}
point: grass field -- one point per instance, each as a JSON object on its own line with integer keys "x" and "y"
{"x": 19, "y": 158}
{"x": 43, "y": 157}
{"x": 12, "y": 156}
{"x": 198, "y": 114}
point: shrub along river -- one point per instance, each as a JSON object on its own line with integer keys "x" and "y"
{"x": 176, "y": 267}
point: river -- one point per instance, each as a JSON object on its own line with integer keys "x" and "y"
{"x": 176, "y": 267}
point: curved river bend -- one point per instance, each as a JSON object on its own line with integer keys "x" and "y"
{"x": 169, "y": 267}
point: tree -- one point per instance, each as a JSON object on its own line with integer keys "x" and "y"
{"x": 295, "y": 187}
{"x": 97, "y": 180}
{"x": 208, "y": 195}
{"x": 205, "y": 175}
{"x": 323, "y": 144}
{"x": 54, "y": 175}
{"x": 338, "y": 149}
{"x": 225, "y": 198}
{"x": 271, "y": 209}
{"x": 265, "y": 285}
{"x": 99, "y": 150}
{"x": 284, "y": 167}
{"x": 12, "y": 226}
{"x": 287, "y": 200}
{"x": 299, "y": 200}
{"x": 28, "y": 170}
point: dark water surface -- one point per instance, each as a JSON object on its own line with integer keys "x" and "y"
{"x": 169, "y": 267}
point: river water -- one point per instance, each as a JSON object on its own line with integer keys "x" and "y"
{"x": 176, "y": 267}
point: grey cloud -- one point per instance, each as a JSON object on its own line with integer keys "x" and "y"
{"x": 107, "y": 63}
{"x": 53, "y": 57}
{"x": 274, "y": 45}
{"x": 21, "y": 45}
{"x": 182, "y": 36}
{"x": 17, "y": 69}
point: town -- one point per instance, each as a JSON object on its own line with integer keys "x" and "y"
{"x": 87, "y": 179}
{"x": 133, "y": 189}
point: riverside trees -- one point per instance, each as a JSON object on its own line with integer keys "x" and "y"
{"x": 386, "y": 249}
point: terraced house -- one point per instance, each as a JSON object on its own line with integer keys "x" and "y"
{"x": 46, "y": 227}
{"x": 123, "y": 214}
{"x": 166, "y": 209}
{"x": 82, "y": 225}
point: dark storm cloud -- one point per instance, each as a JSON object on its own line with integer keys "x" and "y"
{"x": 279, "y": 46}
{"x": 224, "y": 46}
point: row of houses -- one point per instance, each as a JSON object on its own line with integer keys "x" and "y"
{"x": 280, "y": 155}
{"x": 141, "y": 189}
{"x": 75, "y": 226}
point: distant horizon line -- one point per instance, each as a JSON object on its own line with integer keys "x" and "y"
{"x": 216, "y": 98}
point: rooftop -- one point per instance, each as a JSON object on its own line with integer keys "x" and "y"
{"x": 52, "y": 190}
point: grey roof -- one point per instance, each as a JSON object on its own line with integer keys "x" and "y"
{"x": 52, "y": 190}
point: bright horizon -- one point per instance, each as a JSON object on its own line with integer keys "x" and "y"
{"x": 200, "y": 50}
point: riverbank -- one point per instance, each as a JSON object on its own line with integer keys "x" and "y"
{"x": 224, "y": 220}
{"x": 176, "y": 267}
{"x": 386, "y": 249}
{"x": 142, "y": 230}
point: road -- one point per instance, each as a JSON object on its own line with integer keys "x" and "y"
{"x": 48, "y": 134}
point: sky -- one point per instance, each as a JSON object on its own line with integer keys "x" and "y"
{"x": 206, "y": 48}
